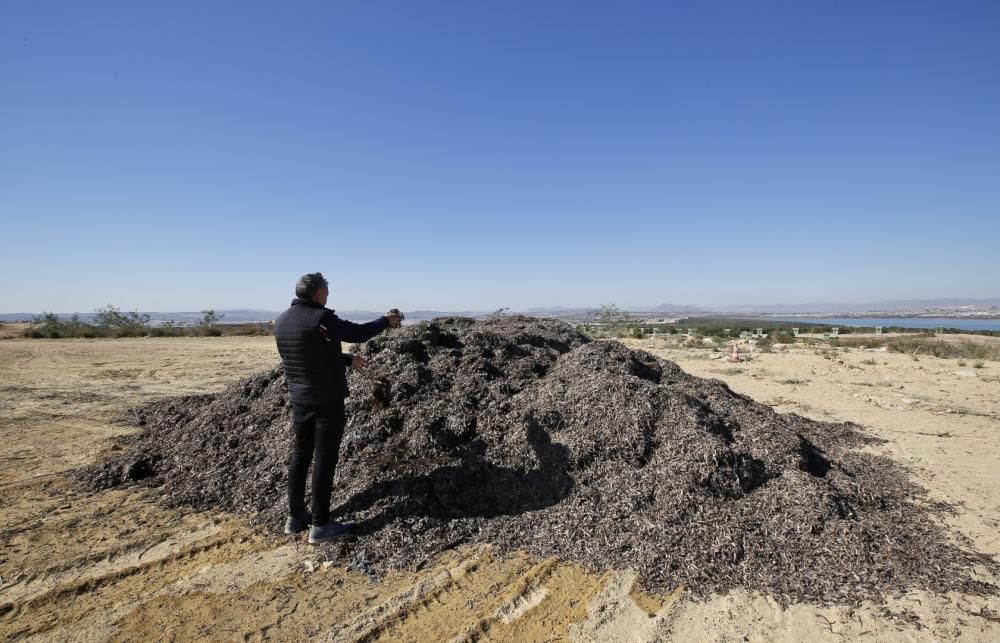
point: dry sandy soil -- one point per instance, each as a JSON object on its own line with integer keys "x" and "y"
{"x": 116, "y": 566}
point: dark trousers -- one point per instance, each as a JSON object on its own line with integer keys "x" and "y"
{"x": 317, "y": 432}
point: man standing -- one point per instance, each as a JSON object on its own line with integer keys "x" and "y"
{"x": 309, "y": 336}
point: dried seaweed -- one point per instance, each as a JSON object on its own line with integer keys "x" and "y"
{"x": 523, "y": 433}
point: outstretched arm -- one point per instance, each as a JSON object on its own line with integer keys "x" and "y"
{"x": 346, "y": 331}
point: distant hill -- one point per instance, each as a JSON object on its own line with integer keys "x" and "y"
{"x": 881, "y": 306}
{"x": 234, "y": 315}
{"x": 938, "y": 306}
{"x": 249, "y": 315}
{"x": 677, "y": 308}
{"x": 15, "y": 317}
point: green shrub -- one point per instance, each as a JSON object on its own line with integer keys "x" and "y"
{"x": 46, "y": 323}
{"x": 206, "y": 325}
{"x": 49, "y": 325}
{"x": 112, "y": 318}
{"x": 782, "y": 337}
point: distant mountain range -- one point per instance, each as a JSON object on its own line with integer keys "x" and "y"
{"x": 677, "y": 308}
{"x": 234, "y": 315}
{"x": 899, "y": 305}
{"x": 830, "y": 308}
{"x": 953, "y": 307}
{"x": 248, "y": 315}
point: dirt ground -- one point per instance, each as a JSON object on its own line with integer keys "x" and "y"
{"x": 78, "y": 566}
{"x": 12, "y": 329}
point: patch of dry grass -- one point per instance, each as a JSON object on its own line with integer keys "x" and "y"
{"x": 938, "y": 348}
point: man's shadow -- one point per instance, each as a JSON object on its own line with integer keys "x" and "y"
{"x": 475, "y": 488}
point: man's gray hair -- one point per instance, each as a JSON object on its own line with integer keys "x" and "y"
{"x": 309, "y": 284}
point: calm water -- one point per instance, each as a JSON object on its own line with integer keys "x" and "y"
{"x": 905, "y": 322}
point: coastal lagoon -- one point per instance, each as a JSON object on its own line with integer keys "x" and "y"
{"x": 904, "y": 322}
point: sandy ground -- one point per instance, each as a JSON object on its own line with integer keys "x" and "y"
{"x": 77, "y": 566}
{"x": 12, "y": 329}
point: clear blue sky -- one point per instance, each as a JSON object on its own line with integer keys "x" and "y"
{"x": 184, "y": 155}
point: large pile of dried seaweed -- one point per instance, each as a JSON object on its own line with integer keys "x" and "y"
{"x": 522, "y": 433}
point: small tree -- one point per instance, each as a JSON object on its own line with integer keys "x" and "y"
{"x": 611, "y": 316}
{"x": 49, "y": 325}
{"x": 208, "y": 320}
{"x": 46, "y": 324}
{"x": 112, "y": 319}
{"x": 169, "y": 328}
{"x": 75, "y": 327}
